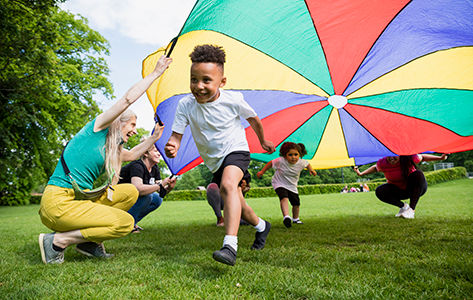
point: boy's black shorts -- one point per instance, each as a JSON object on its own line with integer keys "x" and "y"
{"x": 293, "y": 197}
{"x": 240, "y": 159}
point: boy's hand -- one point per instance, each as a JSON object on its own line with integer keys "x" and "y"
{"x": 170, "y": 149}
{"x": 313, "y": 173}
{"x": 268, "y": 146}
{"x": 259, "y": 174}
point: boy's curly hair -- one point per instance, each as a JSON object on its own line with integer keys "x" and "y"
{"x": 290, "y": 145}
{"x": 208, "y": 54}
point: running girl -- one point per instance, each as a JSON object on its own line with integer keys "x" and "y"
{"x": 288, "y": 168}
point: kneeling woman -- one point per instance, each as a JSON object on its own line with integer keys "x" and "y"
{"x": 404, "y": 181}
{"x": 78, "y": 216}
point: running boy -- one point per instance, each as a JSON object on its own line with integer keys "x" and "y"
{"x": 288, "y": 168}
{"x": 214, "y": 115}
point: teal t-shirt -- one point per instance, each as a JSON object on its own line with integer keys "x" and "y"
{"x": 85, "y": 158}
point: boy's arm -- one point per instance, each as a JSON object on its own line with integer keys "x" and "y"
{"x": 264, "y": 169}
{"x": 173, "y": 145}
{"x": 257, "y": 126}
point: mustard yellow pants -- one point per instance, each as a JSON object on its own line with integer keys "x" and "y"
{"x": 97, "y": 220}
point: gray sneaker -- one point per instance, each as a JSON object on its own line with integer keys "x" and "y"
{"x": 48, "y": 254}
{"x": 92, "y": 249}
{"x": 226, "y": 255}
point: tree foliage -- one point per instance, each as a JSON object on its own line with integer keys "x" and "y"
{"x": 51, "y": 65}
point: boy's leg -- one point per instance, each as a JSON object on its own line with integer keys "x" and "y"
{"x": 231, "y": 198}
{"x": 231, "y": 176}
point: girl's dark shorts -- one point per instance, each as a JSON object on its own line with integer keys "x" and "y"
{"x": 240, "y": 159}
{"x": 293, "y": 197}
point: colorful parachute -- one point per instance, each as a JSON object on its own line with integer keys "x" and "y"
{"x": 352, "y": 80}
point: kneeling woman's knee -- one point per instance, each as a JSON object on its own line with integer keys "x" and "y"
{"x": 123, "y": 225}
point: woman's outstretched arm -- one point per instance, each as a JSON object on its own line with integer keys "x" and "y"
{"x": 107, "y": 117}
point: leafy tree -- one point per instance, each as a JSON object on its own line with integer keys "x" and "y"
{"x": 469, "y": 165}
{"x": 199, "y": 176}
{"x": 51, "y": 65}
{"x": 460, "y": 158}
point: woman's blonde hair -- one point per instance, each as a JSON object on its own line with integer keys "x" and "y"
{"x": 114, "y": 145}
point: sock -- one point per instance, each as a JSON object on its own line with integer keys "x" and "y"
{"x": 57, "y": 248}
{"x": 295, "y": 219}
{"x": 231, "y": 240}
{"x": 287, "y": 216}
{"x": 261, "y": 225}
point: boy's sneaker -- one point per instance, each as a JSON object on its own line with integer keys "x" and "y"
{"x": 402, "y": 209}
{"x": 260, "y": 237}
{"x": 48, "y": 254}
{"x": 226, "y": 255}
{"x": 287, "y": 222}
{"x": 408, "y": 214}
{"x": 92, "y": 249}
{"x": 297, "y": 221}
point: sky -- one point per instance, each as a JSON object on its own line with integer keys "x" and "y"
{"x": 134, "y": 29}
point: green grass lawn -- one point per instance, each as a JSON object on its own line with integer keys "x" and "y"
{"x": 350, "y": 247}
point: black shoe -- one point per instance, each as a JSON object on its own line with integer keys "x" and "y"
{"x": 92, "y": 249}
{"x": 260, "y": 238}
{"x": 287, "y": 222}
{"x": 226, "y": 255}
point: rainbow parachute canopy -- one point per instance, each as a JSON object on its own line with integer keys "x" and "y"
{"x": 352, "y": 80}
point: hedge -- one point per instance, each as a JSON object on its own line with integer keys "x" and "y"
{"x": 432, "y": 177}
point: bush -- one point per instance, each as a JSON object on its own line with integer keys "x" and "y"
{"x": 432, "y": 178}
{"x": 186, "y": 195}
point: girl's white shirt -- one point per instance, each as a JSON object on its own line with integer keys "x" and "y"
{"x": 286, "y": 175}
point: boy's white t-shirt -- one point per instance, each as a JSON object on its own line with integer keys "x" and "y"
{"x": 216, "y": 126}
{"x": 286, "y": 175}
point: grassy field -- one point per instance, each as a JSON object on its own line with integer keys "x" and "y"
{"x": 350, "y": 247}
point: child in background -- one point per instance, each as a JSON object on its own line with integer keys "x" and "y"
{"x": 287, "y": 171}
{"x": 214, "y": 117}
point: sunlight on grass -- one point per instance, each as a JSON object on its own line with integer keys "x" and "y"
{"x": 350, "y": 246}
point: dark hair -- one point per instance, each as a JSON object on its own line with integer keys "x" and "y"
{"x": 286, "y": 146}
{"x": 406, "y": 162}
{"x": 208, "y": 54}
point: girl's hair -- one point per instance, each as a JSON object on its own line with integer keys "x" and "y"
{"x": 208, "y": 54}
{"x": 406, "y": 162}
{"x": 286, "y": 146}
{"x": 114, "y": 145}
